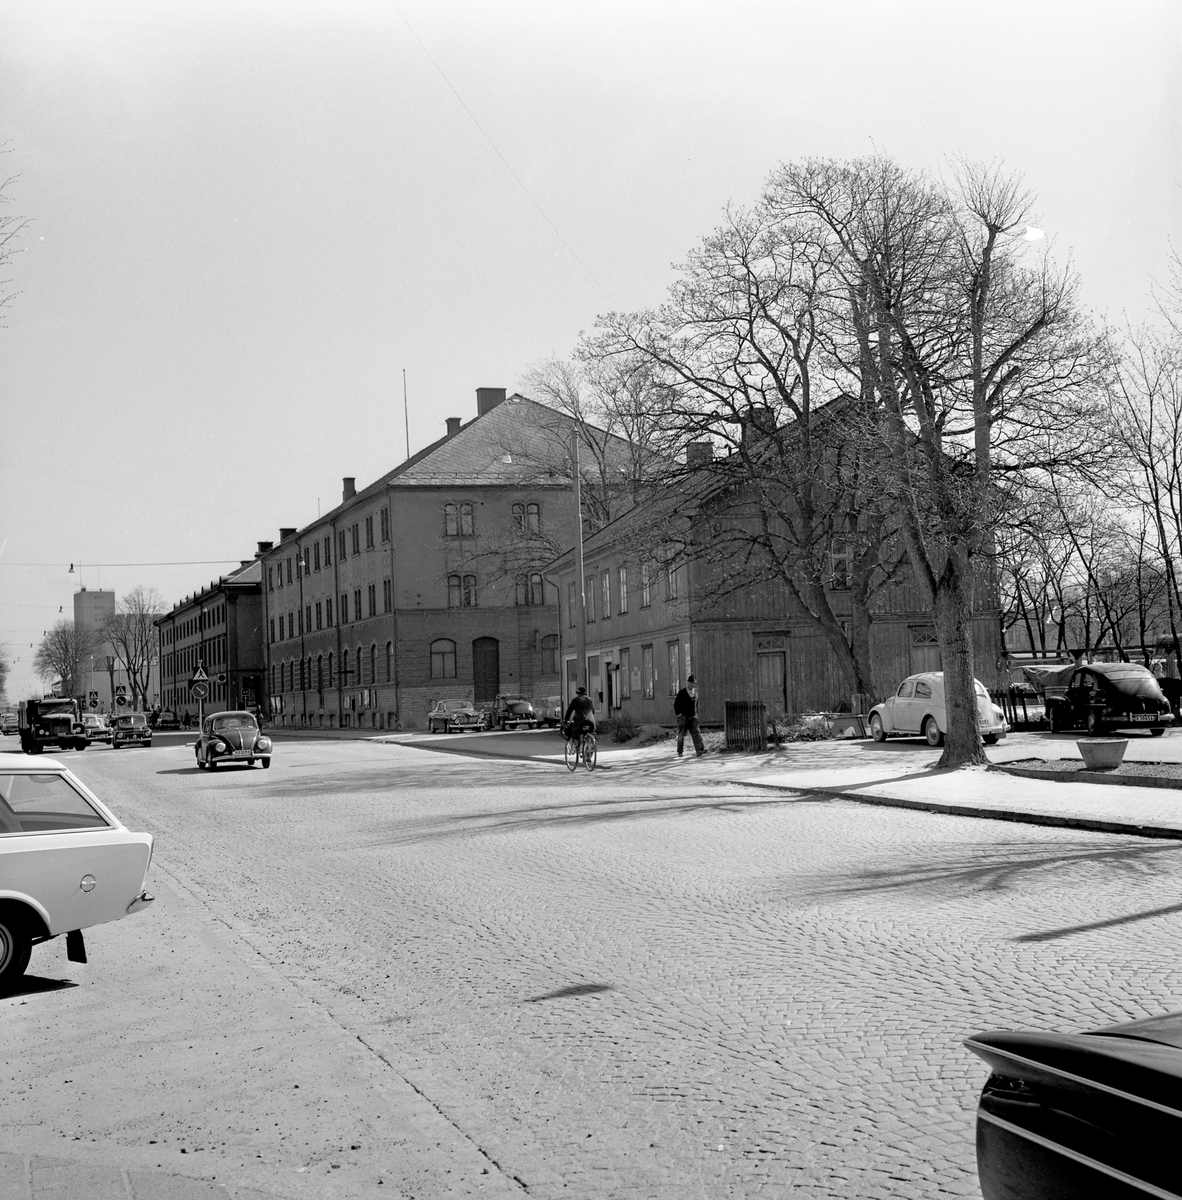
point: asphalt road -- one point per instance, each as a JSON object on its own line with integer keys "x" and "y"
{"x": 472, "y": 977}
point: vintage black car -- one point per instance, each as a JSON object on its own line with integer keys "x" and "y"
{"x": 232, "y": 737}
{"x": 512, "y": 712}
{"x": 127, "y": 728}
{"x": 454, "y": 716}
{"x": 1081, "y": 1115}
{"x": 1100, "y": 697}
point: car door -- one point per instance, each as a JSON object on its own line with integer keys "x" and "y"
{"x": 898, "y": 708}
{"x": 1080, "y": 692}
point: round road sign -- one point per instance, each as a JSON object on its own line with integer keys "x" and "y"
{"x": 199, "y": 691}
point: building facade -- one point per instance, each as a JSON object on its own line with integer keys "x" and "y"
{"x": 219, "y": 628}
{"x": 102, "y": 678}
{"x": 427, "y": 584}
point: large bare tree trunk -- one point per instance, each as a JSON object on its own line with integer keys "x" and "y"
{"x": 953, "y": 608}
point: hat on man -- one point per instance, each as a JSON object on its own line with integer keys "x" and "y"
{"x": 580, "y": 691}
{"x": 692, "y": 679}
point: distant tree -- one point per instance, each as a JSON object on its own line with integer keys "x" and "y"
{"x": 5, "y": 667}
{"x": 132, "y": 634}
{"x": 60, "y": 656}
{"x": 11, "y": 227}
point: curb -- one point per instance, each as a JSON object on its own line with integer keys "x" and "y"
{"x": 1152, "y": 781}
{"x": 1014, "y": 816}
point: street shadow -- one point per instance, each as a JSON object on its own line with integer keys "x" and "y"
{"x": 180, "y": 771}
{"x": 36, "y": 985}
{"x": 1001, "y": 867}
{"x": 576, "y": 989}
{"x": 1051, "y": 935}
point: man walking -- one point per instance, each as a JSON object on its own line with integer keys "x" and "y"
{"x": 685, "y": 706}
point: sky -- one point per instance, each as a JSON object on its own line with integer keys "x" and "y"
{"x": 246, "y": 220}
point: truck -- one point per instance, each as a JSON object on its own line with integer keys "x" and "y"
{"x": 54, "y": 721}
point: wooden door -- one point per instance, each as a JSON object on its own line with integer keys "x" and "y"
{"x": 772, "y": 681}
{"x": 486, "y": 669}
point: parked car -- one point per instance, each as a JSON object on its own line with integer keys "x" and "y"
{"x": 454, "y": 716}
{"x": 127, "y": 728}
{"x": 66, "y": 862}
{"x": 550, "y": 711}
{"x": 9, "y": 723}
{"x": 167, "y": 719}
{"x": 1065, "y": 1115}
{"x": 513, "y": 712}
{"x": 917, "y": 709}
{"x": 232, "y": 737}
{"x": 97, "y": 729}
{"x": 1103, "y": 696}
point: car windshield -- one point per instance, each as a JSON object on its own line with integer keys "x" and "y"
{"x": 62, "y": 706}
{"x": 234, "y": 721}
{"x": 520, "y": 706}
{"x": 456, "y": 706}
{"x": 136, "y": 719}
{"x": 43, "y": 803}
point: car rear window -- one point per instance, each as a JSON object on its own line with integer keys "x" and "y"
{"x": 44, "y": 803}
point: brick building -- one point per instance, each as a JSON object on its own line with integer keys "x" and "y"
{"x": 428, "y": 583}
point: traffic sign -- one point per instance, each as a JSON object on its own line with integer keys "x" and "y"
{"x": 199, "y": 676}
{"x": 121, "y": 700}
{"x": 199, "y": 690}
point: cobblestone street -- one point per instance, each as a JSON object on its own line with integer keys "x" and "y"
{"x": 633, "y": 985}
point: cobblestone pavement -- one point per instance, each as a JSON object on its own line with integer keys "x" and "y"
{"x": 653, "y": 985}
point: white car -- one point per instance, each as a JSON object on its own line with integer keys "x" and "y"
{"x": 917, "y": 710}
{"x": 66, "y": 862}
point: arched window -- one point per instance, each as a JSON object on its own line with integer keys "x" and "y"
{"x": 443, "y": 659}
{"x": 454, "y": 597}
{"x": 330, "y": 684}
{"x": 533, "y": 518}
{"x": 466, "y": 523}
{"x": 389, "y": 661}
{"x": 519, "y": 515}
{"x": 537, "y": 593}
{"x": 451, "y": 520}
{"x": 373, "y": 664}
{"x": 522, "y": 586}
{"x": 319, "y": 667}
{"x": 359, "y": 662}
{"x": 469, "y": 591}
{"x": 550, "y": 654}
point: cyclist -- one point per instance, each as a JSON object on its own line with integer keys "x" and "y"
{"x": 580, "y": 715}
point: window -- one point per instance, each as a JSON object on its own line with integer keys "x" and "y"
{"x": 646, "y": 587}
{"x": 373, "y": 664}
{"x": 272, "y": 629}
{"x": 385, "y": 524}
{"x": 457, "y": 520}
{"x": 328, "y": 551}
{"x": 533, "y": 518}
{"x": 839, "y": 567}
{"x": 319, "y": 614}
{"x": 281, "y": 627}
{"x": 389, "y": 660}
{"x": 356, "y": 604}
{"x": 301, "y": 616}
{"x": 308, "y": 618}
{"x": 328, "y": 614}
{"x": 44, "y": 803}
{"x": 320, "y": 672}
{"x": 671, "y": 582}
{"x": 674, "y": 650}
{"x": 469, "y": 591}
{"x": 315, "y": 556}
{"x": 356, "y": 532}
{"x": 522, "y": 588}
{"x": 342, "y": 547}
{"x": 443, "y": 659}
{"x": 570, "y": 605}
{"x": 387, "y": 593}
{"x": 372, "y": 597}
{"x": 289, "y": 570}
{"x": 589, "y": 599}
{"x": 301, "y": 563}
{"x": 606, "y": 581}
{"x": 519, "y": 515}
{"x": 270, "y": 579}
{"x": 369, "y": 532}
{"x": 344, "y": 608}
{"x": 330, "y": 669}
{"x": 550, "y": 654}
{"x": 623, "y": 589}
{"x": 454, "y": 584}
{"x": 647, "y": 674}
{"x": 185, "y": 627}
{"x": 537, "y": 590}
{"x": 359, "y": 661}
{"x": 625, "y": 675}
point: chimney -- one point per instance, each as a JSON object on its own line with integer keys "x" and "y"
{"x": 699, "y": 454}
{"x": 453, "y": 426}
{"x": 286, "y": 532}
{"x": 244, "y": 562}
{"x": 487, "y": 399}
{"x": 263, "y": 548}
{"x": 349, "y": 488}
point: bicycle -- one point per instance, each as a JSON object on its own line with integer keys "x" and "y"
{"x": 581, "y": 750}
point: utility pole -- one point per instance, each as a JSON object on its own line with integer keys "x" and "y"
{"x": 580, "y": 610}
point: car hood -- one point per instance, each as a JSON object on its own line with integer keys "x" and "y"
{"x": 237, "y": 739}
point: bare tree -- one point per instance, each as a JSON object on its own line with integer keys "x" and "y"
{"x": 60, "y": 656}
{"x": 5, "y": 667}
{"x": 132, "y": 634}
{"x": 11, "y": 227}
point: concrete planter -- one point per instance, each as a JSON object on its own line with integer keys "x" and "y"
{"x": 1103, "y": 754}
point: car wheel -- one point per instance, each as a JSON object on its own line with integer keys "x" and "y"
{"x": 15, "y": 947}
{"x": 1156, "y": 732}
{"x": 931, "y": 731}
{"x": 212, "y": 764}
{"x": 80, "y": 744}
{"x": 877, "y": 732}
{"x": 990, "y": 739}
{"x": 1095, "y": 725}
{"x": 266, "y": 762}
{"x": 504, "y": 726}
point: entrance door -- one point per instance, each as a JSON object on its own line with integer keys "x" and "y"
{"x": 772, "y": 681}
{"x": 593, "y": 684}
{"x": 486, "y": 669}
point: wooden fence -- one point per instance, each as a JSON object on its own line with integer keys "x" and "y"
{"x": 746, "y": 725}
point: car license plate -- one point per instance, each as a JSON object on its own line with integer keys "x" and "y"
{"x": 1141, "y": 716}
{"x": 243, "y": 753}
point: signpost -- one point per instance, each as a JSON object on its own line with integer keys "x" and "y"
{"x": 92, "y": 699}
{"x": 199, "y": 690}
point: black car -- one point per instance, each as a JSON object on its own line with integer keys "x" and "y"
{"x": 127, "y": 728}
{"x": 512, "y": 712}
{"x": 1080, "y": 1115}
{"x": 229, "y": 737}
{"x": 1101, "y": 697}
